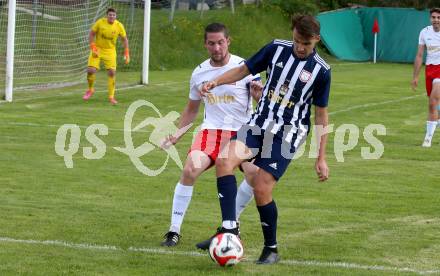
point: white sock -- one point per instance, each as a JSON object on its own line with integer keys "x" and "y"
{"x": 245, "y": 194}
{"x": 430, "y": 128}
{"x": 181, "y": 200}
{"x": 229, "y": 224}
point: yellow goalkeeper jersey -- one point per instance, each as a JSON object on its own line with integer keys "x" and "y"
{"x": 107, "y": 34}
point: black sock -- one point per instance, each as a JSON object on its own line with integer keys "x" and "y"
{"x": 227, "y": 194}
{"x": 268, "y": 218}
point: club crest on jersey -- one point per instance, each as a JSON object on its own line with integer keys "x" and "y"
{"x": 305, "y": 76}
{"x": 284, "y": 89}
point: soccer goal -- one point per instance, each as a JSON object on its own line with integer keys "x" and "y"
{"x": 44, "y": 43}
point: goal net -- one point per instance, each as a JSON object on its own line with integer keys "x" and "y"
{"x": 51, "y": 39}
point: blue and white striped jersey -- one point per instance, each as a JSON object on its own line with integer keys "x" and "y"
{"x": 292, "y": 85}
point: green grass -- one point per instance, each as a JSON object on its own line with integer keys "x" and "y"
{"x": 381, "y": 212}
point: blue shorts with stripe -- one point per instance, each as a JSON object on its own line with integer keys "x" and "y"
{"x": 270, "y": 152}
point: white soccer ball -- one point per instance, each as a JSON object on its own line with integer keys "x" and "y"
{"x": 226, "y": 249}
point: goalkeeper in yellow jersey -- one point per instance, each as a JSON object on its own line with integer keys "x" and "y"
{"x": 102, "y": 38}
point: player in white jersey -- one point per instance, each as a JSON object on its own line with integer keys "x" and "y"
{"x": 430, "y": 39}
{"x": 227, "y": 108}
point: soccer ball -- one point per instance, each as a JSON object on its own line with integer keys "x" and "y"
{"x": 226, "y": 249}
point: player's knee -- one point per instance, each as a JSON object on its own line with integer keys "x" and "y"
{"x": 111, "y": 73}
{"x": 91, "y": 70}
{"x": 261, "y": 191}
{"x": 190, "y": 172}
{"x": 436, "y": 97}
{"x": 433, "y": 103}
{"x": 250, "y": 178}
{"x": 223, "y": 165}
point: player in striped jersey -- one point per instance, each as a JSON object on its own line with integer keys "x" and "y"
{"x": 227, "y": 108}
{"x": 297, "y": 78}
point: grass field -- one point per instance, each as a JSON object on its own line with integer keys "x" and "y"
{"x": 373, "y": 217}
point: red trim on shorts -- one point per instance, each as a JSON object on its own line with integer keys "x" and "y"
{"x": 211, "y": 142}
{"x": 431, "y": 72}
{"x": 217, "y": 143}
{"x": 204, "y": 139}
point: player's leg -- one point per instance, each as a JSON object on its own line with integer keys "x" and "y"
{"x": 200, "y": 158}
{"x": 264, "y": 184}
{"x": 438, "y": 114}
{"x": 235, "y": 153}
{"x": 245, "y": 192}
{"x": 231, "y": 156}
{"x": 109, "y": 60}
{"x": 433, "y": 102}
{"x": 111, "y": 85}
{"x": 196, "y": 163}
{"x": 272, "y": 163}
{"x": 93, "y": 66}
{"x": 225, "y": 164}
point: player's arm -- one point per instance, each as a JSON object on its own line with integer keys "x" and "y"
{"x": 321, "y": 123}
{"x": 124, "y": 40}
{"x": 190, "y": 112}
{"x": 417, "y": 66}
{"x": 93, "y": 48}
{"x": 188, "y": 116}
{"x": 92, "y": 35}
{"x": 233, "y": 75}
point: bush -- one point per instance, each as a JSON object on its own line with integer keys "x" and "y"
{"x": 292, "y": 7}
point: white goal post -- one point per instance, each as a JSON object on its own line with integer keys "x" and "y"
{"x": 46, "y": 44}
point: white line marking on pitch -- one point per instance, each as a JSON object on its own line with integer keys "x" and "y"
{"x": 156, "y": 251}
{"x": 97, "y": 91}
{"x": 373, "y": 104}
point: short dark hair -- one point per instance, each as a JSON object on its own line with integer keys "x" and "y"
{"x": 306, "y": 25}
{"x": 111, "y": 10}
{"x": 216, "y": 28}
{"x": 433, "y": 10}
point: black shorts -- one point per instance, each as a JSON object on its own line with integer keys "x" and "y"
{"x": 270, "y": 152}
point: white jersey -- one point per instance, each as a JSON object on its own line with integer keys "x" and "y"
{"x": 228, "y": 106}
{"x": 431, "y": 40}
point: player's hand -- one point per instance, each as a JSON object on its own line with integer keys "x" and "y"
{"x": 322, "y": 169}
{"x": 414, "y": 83}
{"x": 169, "y": 141}
{"x": 256, "y": 89}
{"x": 94, "y": 49}
{"x": 127, "y": 56}
{"x": 206, "y": 87}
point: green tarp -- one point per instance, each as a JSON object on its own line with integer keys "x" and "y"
{"x": 347, "y": 33}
